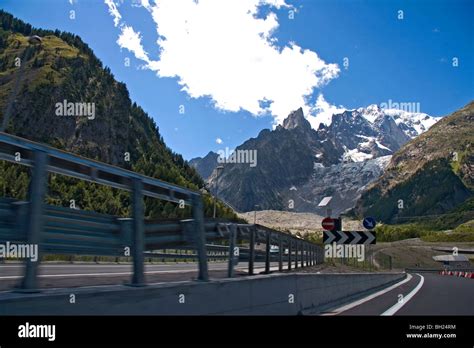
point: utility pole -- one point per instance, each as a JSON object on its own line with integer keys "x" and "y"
{"x": 218, "y": 170}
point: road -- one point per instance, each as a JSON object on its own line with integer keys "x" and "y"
{"x": 73, "y": 275}
{"x": 422, "y": 294}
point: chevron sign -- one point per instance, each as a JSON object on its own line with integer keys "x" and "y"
{"x": 349, "y": 237}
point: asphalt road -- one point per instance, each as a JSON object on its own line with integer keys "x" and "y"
{"x": 423, "y": 294}
{"x": 73, "y": 275}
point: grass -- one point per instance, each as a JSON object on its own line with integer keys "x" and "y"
{"x": 392, "y": 233}
{"x": 50, "y": 49}
{"x": 426, "y": 231}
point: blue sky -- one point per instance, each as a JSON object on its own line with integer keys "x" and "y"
{"x": 403, "y": 60}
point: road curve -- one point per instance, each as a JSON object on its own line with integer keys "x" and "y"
{"x": 424, "y": 294}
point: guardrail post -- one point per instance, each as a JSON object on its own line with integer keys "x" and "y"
{"x": 289, "y": 253}
{"x": 296, "y": 254}
{"x": 267, "y": 252}
{"x": 36, "y": 195}
{"x": 253, "y": 231}
{"x": 138, "y": 236}
{"x": 302, "y": 254}
{"x": 280, "y": 254}
{"x": 200, "y": 237}
{"x": 232, "y": 237}
{"x": 21, "y": 218}
{"x": 310, "y": 248}
{"x": 308, "y": 254}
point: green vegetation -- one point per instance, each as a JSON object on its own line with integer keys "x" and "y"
{"x": 434, "y": 229}
{"x": 466, "y": 227}
{"x": 431, "y": 175}
{"x": 392, "y": 233}
{"x": 450, "y": 237}
{"x": 430, "y": 192}
{"x": 62, "y": 68}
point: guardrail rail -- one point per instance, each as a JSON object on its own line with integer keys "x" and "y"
{"x": 59, "y": 230}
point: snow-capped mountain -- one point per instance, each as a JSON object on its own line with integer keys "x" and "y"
{"x": 412, "y": 123}
{"x": 371, "y": 132}
{"x": 338, "y": 159}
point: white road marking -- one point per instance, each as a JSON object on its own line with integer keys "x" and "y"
{"x": 117, "y": 273}
{"x": 396, "y": 307}
{"x": 368, "y": 298}
{"x": 95, "y": 274}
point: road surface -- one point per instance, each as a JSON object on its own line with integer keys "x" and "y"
{"x": 73, "y": 275}
{"x": 423, "y": 294}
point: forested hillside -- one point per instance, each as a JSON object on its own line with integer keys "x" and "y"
{"x": 63, "y": 68}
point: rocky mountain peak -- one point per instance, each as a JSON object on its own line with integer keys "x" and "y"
{"x": 296, "y": 119}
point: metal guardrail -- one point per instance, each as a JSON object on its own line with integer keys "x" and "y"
{"x": 58, "y": 230}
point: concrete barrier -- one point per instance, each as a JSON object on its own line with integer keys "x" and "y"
{"x": 274, "y": 294}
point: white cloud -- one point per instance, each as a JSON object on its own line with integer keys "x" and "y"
{"x": 218, "y": 141}
{"x": 114, "y": 12}
{"x": 322, "y": 112}
{"x": 223, "y": 50}
{"x": 132, "y": 41}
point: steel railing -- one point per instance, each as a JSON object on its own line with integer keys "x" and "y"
{"x": 59, "y": 230}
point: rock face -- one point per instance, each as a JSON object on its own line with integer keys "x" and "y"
{"x": 205, "y": 165}
{"x": 298, "y": 165}
{"x": 296, "y": 120}
{"x": 432, "y": 174}
{"x": 344, "y": 182}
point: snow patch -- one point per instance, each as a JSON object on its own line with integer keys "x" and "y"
{"x": 355, "y": 155}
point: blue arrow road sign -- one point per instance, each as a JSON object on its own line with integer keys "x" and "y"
{"x": 369, "y": 223}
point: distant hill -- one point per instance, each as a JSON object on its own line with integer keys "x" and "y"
{"x": 432, "y": 174}
{"x": 205, "y": 165}
{"x": 63, "y": 69}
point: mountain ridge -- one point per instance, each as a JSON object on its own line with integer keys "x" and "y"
{"x": 294, "y": 155}
{"x": 431, "y": 174}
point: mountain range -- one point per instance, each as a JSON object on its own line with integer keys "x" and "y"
{"x": 432, "y": 175}
{"x": 299, "y": 165}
